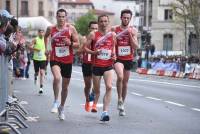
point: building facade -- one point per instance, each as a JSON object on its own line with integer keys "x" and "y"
{"x": 166, "y": 34}
{"x": 31, "y": 8}
{"x": 75, "y": 8}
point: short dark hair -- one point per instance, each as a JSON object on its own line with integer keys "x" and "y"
{"x": 128, "y": 11}
{"x": 103, "y": 15}
{"x": 92, "y": 22}
{"x": 61, "y": 10}
{"x": 40, "y": 30}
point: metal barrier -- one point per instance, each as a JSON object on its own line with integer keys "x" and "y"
{"x": 3, "y": 82}
{"x": 7, "y": 109}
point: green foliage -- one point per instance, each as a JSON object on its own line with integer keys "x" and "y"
{"x": 82, "y": 23}
{"x": 189, "y": 10}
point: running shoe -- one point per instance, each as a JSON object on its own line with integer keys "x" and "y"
{"x": 122, "y": 113}
{"x": 35, "y": 80}
{"x": 105, "y": 117}
{"x": 41, "y": 91}
{"x": 94, "y": 108}
{"x": 61, "y": 114}
{"x": 91, "y": 96}
{"x": 120, "y": 105}
{"x": 87, "y": 106}
{"x": 55, "y": 107}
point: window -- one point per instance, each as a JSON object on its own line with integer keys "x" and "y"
{"x": 51, "y": 13}
{"x": 168, "y": 14}
{"x": 40, "y": 9}
{"x": 24, "y": 8}
{"x": 8, "y": 5}
{"x": 167, "y": 42}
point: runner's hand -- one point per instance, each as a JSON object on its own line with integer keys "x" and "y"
{"x": 66, "y": 41}
{"x": 113, "y": 57}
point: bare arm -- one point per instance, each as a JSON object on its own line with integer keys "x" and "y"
{"x": 75, "y": 41}
{"x": 133, "y": 38}
{"x": 31, "y": 46}
{"x": 87, "y": 45}
{"x": 46, "y": 36}
{"x": 115, "y": 42}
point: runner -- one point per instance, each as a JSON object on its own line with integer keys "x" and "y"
{"x": 126, "y": 43}
{"x": 102, "y": 46}
{"x": 87, "y": 67}
{"x": 64, "y": 38}
{"x": 39, "y": 58}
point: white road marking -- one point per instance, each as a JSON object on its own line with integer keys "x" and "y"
{"x": 148, "y": 97}
{"x": 153, "y": 98}
{"x": 77, "y": 79}
{"x": 77, "y": 72}
{"x": 137, "y": 94}
{"x": 83, "y": 81}
{"x": 32, "y": 119}
{"x": 91, "y": 103}
{"x": 167, "y": 83}
{"x": 196, "y": 109}
{"x": 23, "y": 102}
{"x": 158, "y": 82}
{"x": 174, "y": 103}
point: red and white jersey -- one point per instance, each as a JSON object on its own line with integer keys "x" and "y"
{"x": 60, "y": 51}
{"x": 124, "y": 50}
{"x": 104, "y": 44}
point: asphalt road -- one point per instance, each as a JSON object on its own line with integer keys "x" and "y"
{"x": 154, "y": 105}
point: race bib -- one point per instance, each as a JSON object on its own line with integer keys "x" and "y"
{"x": 89, "y": 57}
{"x": 62, "y": 51}
{"x": 124, "y": 50}
{"x": 40, "y": 54}
{"x": 105, "y": 54}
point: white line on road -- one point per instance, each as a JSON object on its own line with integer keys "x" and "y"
{"x": 158, "y": 82}
{"x": 77, "y": 72}
{"x": 83, "y": 80}
{"x": 77, "y": 79}
{"x": 196, "y": 109}
{"x": 174, "y": 103}
{"x": 153, "y": 98}
{"x": 167, "y": 83}
{"x": 137, "y": 94}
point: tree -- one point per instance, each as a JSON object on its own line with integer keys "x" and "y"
{"x": 82, "y": 23}
{"x": 189, "y": 11}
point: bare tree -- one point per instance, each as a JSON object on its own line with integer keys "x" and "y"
{"x": 188, "y": 11}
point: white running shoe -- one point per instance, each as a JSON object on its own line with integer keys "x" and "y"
{"x": 41, "y": 91}
{"x": 61, "y": 114}
{"x": 54, "y": 108}
{"x": 120, "y": 105}
{"x": 122, "y": 113}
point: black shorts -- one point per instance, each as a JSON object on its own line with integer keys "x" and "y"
{"x": 128, "y": 64}
{"x": 87, "y": 69}
{"x": 66, "y": 69}
{"x": 99, "y": 71}
{"x": 39, "y": 65}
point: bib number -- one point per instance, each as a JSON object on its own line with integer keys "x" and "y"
{"x": 62, "y": 51}
{"x": 105, "y": 54}
{"x": 40, "y": 54}
{"x": 124, "y": 50}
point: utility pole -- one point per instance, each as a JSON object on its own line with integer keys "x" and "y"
{"x": 147, "y": 14}
{"x": 17, "y": 9}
